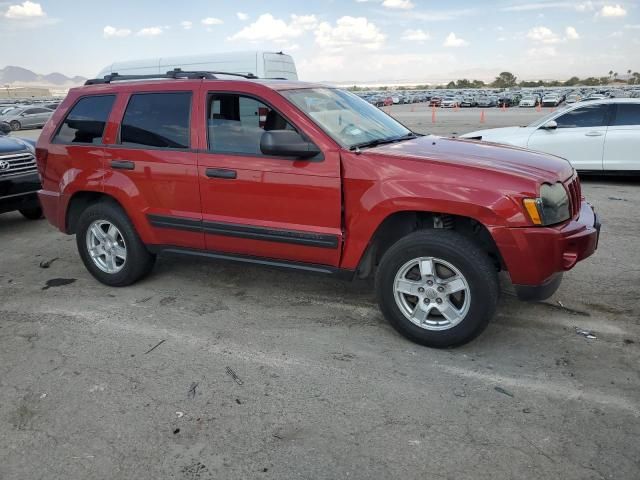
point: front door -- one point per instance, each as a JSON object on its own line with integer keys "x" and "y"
{"x": 579, "y": 137}
{"x": 259, "y": 205}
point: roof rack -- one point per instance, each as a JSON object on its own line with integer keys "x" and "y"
{"x": 175, "y": 73}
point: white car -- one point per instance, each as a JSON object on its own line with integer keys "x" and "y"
{"x": 528, "y": 101}
{"x": 450, "y": 102}
{"x": 551, "y": 100}
{"x": 595, "y": 136}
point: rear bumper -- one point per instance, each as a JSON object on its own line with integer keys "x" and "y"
{"x": 52, "y": 208}
{"x": 19, "y": 192}
{"x": 534, "y": 256}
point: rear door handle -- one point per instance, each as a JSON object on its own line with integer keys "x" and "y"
{"x": 123, "y": 165}
{"x": 594, "y": 134}
{"x": 221, "y": 173}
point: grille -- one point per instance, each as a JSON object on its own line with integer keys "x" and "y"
{"x": 17, "y": 164}
{"x": 575, "y": 195}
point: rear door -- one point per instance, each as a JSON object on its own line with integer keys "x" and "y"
{"x": 152, "y": 161}
{"x": 579, "y": 137}
{"x": 265, "y": 206}
{"x": 622, "y": 142}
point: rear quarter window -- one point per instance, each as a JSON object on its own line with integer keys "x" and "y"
{"x": 85, "y": 122}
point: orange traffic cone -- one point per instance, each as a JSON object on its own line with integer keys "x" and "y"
{"x": 433, "y": 114}
{"x": 482, "y": 116}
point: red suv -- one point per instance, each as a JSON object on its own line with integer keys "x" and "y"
{"x": 298, "y": 175}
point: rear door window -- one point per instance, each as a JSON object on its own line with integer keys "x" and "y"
{"x": 86, "y": 121}
{"x": 627, "y": 114}
{"x": 159, "y": 120}
{"x": 584, "y": 117}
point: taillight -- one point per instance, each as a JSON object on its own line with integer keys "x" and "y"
{"x": 41, "y": 159}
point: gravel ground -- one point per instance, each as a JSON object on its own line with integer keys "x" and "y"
{"x": 98, "y": 382}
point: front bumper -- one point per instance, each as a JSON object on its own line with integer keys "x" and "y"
{"x": 536, "y": 256}
{"x": 19, "y": 192}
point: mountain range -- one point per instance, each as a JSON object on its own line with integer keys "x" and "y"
{"x": 18, "y": 75}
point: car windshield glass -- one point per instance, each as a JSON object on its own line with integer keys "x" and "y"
{"x": 549, "y": 116}
{"x": 345, "y": 117}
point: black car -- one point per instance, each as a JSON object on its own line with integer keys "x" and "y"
{"x": 19, "y": 181}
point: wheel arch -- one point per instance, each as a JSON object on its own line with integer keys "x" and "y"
{"x": 78, "y": 203}
{"x": 401, "y": 223}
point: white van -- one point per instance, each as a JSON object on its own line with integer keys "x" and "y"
{"x": 261, "y": 64}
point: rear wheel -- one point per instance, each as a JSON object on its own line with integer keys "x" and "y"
{"x": 437, "y": 288}
{"x": 32, "y": 213}
{"x": 15, "y": 125}
{"x": 110, "y": 247}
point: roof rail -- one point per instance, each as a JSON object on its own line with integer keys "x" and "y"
{"x": 175, "y": 73}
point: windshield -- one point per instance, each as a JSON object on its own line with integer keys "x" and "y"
{"x": 546, "y": 118}
{"x": 345, "y": 117}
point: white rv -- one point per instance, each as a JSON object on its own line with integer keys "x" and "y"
{"x": 261, "y": 64}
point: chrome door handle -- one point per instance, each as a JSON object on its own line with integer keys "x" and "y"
{"x": 594, "y": 134}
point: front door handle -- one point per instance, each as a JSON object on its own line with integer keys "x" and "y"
{"x": 221, "y": 173}
{"x": 594, "y": 134}
{"x": 123, "y": 165}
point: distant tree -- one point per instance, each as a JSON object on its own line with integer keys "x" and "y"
{"x": 572, "y": 81}
{"x": 451, "y": 84}
{"x": 610, "y": 73}
{"x": 505, "y": 80}
{"x": 615, "y": 76}
{"x": 604, "y": 80}
{"x": 529, "y": 83}
{"x": 478, "y": 84}
{"x": 591, "y": 81}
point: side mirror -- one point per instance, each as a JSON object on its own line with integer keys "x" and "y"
{"x": 287, "y": 143}
{"x": 5, "y": 128}
{"x": 550, "y": 125}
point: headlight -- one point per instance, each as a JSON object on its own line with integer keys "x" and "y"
{"x": 552, "y": 207}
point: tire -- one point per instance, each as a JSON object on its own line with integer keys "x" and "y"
{"x": 444, "y": 252}
{"x": 15, "y": 125}
{"x": 137, "y": 261}
{"x": 31, "y": 213}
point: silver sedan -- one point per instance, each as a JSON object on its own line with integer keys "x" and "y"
{"x": 26, "y": 117}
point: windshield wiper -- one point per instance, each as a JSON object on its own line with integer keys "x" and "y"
{"x": 382, "y": 141}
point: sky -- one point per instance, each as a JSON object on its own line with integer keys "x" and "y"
{"x": 334, "y": 40}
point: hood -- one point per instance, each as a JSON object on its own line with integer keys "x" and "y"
{"x": 12, "y": 144}
{"x": 500, "y": 135}
{"x": 482, "y": 155}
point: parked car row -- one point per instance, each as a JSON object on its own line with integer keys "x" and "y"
{"x": 487, "y": 98}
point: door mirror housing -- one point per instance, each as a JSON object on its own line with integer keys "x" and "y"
{"x": 287, "y": 143}
{"x": 550, "y": 125}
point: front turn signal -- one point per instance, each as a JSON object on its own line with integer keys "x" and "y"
{"x": 531, "y": 206}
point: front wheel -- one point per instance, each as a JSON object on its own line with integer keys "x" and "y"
{"x": 110, "y": 247}
{"x": 437, "y": 288}
{"x": 15, "y": 125}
